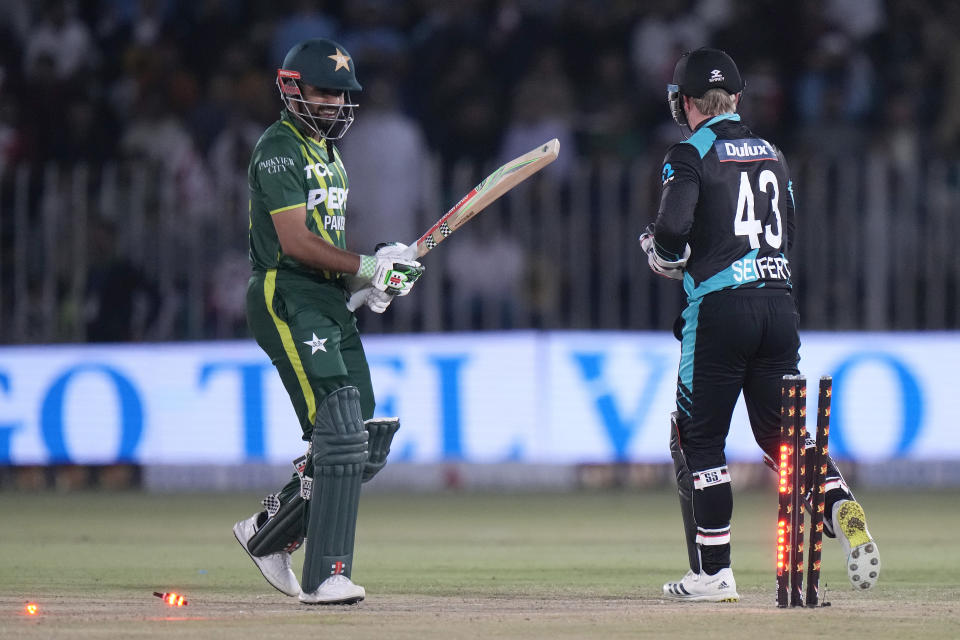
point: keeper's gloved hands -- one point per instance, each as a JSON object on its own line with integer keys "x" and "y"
{"x": 390, "y": 270}
{"x": 661, "y": 267}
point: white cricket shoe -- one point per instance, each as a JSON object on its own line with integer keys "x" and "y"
{"x": 700, "y": 587}
{"x": 861, "y": 552}
{"x": 337, "y": 589}
{"x": 275, "y": 567}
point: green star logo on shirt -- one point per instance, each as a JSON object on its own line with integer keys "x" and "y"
{"x": 316, "y": 344}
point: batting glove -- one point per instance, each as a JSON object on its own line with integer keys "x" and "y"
{"x": 378, "y": 301}
{"x": 389, "y": 270}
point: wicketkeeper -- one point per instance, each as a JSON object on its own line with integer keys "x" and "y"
{"x": 296, "y": 309}
{"x": 725, "y": 227}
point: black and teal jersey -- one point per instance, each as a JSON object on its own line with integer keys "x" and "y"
{"x": 289, "y": 170}
{"x": 727, "y": 193}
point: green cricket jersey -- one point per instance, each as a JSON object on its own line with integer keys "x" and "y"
{"x": 298, "y": 314}
{"x": 289, "y": 170}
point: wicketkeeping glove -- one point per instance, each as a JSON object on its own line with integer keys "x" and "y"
{"x": 666, "y": 268}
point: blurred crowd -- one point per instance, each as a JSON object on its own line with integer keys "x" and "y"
{"x": 186, "y": 80}
{"x": 188, "y": 85}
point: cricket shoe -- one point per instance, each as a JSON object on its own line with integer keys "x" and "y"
{"x": 275, "y": 567}
{"x": 337, "y": 589}
{"x": 863, "y": 557}
{"x": 701, "y": 587}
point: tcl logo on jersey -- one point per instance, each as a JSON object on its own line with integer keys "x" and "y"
{"x": 319, "y": 169}
{"x": 335, "y": 197}
{"x": 744, "y": 150}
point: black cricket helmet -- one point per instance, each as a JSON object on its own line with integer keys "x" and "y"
{"x": 324, "y": 64}
{"x": 696, "y": 73}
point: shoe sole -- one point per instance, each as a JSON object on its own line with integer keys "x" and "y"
{"x": 734, "y": 597}
{"x": 343, "y": 601}
{"x": 863, "y": 566}
{"x": 257, "y": 564}
{"x": 863, "y": 562}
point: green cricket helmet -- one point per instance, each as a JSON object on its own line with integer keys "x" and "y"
{"x": 323, "y": 64}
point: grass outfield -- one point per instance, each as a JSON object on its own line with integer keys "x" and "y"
{"x": 584, "y": 565}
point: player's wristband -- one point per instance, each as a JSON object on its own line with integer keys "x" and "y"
{"x": 368, "y": 264}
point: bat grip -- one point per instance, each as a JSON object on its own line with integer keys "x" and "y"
{"x": 412, "y": 252}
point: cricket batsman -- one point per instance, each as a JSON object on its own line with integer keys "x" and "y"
{"x": 296, "y": 309}
{"x": 725, "y": 228}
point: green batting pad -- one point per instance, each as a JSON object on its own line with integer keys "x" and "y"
{"x": 381, "y": 432}
{"x": 339, "y": 454}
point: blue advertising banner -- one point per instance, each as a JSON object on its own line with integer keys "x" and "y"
{"x": 544, "y": 397}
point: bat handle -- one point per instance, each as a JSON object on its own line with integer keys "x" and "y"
{"x": 412, "y": 251}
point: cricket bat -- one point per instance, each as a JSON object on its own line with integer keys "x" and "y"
{"x": 479, "y": 198}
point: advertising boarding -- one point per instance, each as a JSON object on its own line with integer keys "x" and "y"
{"x": 539, "y": 397}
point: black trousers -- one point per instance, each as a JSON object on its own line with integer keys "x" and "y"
{"x": 732, "y": 341}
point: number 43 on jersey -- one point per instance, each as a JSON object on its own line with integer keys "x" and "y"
{"x": 745, "y": 222}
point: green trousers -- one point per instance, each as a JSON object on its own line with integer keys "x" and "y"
{"x": 311, "y": 337}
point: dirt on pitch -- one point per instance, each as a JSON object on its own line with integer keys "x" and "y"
{"x": 426, "y": 617}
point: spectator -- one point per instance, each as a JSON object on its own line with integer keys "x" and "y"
{"x": 611, "y": 126}
{"x": 464, "y": 112}
{"x": 44, "y": 97}
{"x": 304, "y": 19}
{"x": 835, "y": 71}
{"x": 157, "y": 136}
{"x": 63, "y": 39}
{"x": 542, "y": 109}
{"x": 226, "y": 296}
{"x": 11, "y": 139}
{"x": 230, "y": 152}
{"x": 489, "y": 300}
{"x": 763, "y": 102}
{"x": 859, "y": 19}
{"x": 15, "y": 20}
{"x": 121, "y": 300}
{"x": 386, "y": 184}
{"x": 659, "y": 36}
{"x": 899, "y": 134}
{"x": 149, "y": 21}
{"x": 86, "y": 136}
{"x": 373, "y": 32}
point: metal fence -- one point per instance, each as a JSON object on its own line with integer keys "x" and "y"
{"x": 132, "y": 252}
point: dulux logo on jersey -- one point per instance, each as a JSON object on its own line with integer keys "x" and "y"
{"x": 744, "y": 150}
